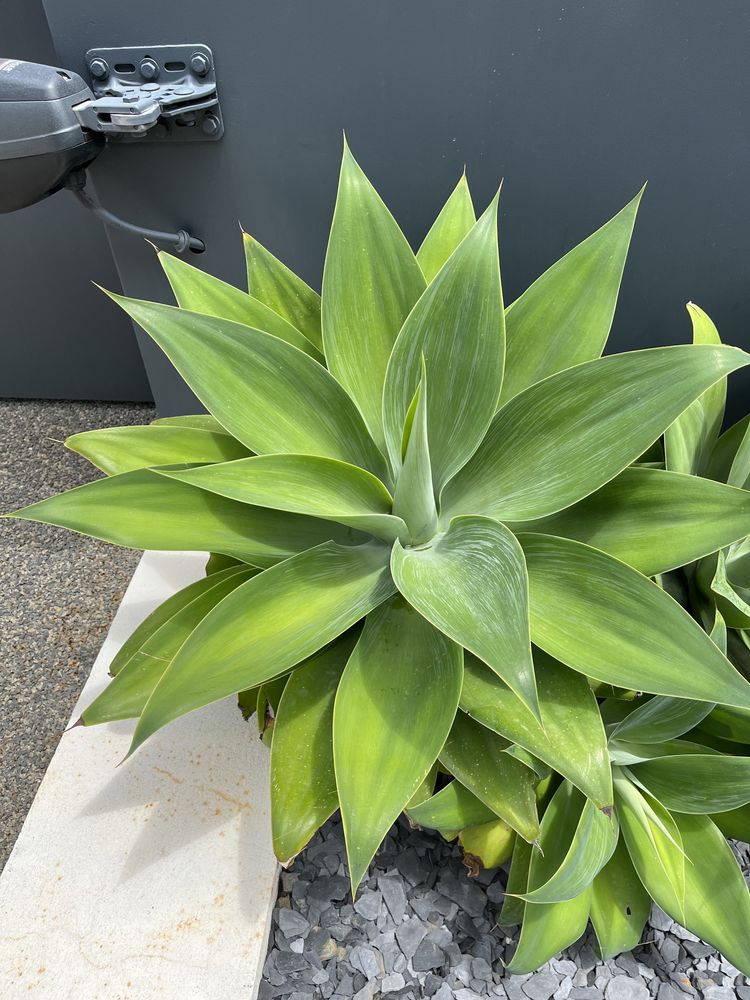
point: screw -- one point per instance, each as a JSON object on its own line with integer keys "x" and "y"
{"x": 200, "y": 63}
{"x": 210, "y": 125}
{"x": 99, "y": 69}
{"x": 149, "y": 69}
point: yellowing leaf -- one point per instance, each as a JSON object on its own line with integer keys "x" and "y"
{"x": 394, "y": 709}
{"x": 124, "y": 449}
{"x": 145, "y": 510}
{"x": 268, "y": 625}
{"x": 303, "y": 784}
{"x": 477, "y": 757}
{"x": 570, "y": 736}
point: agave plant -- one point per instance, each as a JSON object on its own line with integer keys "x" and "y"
{"x": 435, "y": 532}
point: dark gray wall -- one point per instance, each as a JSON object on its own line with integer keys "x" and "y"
{"x": 60, "y": 338}
{"x": 574, "y": 103}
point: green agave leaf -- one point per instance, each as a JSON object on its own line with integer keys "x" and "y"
{"x": 124, "y": 449}
{"x": 126, "y": 695}
{"x": 456, "y": 218}
{"x": 452, "y": 808}
{"x": 488, "y": 845}
{"x": 394, "y": 708}
{"x": 273, "y": 284}
{"x": 713, "y": 578}
{"x": 200, "y": 421}
{"x": 145, "y": 510}
{"x": 738, "y": 565}
{"x": 626, "y": 753}
{"x": 426, "y": 790}
{"x": 639, "y": 637}
{"x": 738, "y": 649}
{"x": 620, "y": 906}
{"x": 539, "y": 768}
{"x": 731, "y": 724}
{"x": 371, "y": 281}
{"x": 518, "y": 880}
{"x": 471, "y": 584}
{"x": 247, "y": 702}
{"x": 200, "y": 292}
{"x": 549, "y": 927}
{"x": 697, "y": 783}
{"x": 689, "y": 441}
{"x": 734, "y": 823}
{"x": 661, "y": 719}
{"x": 476, "y": 756}
{"x": 303, "y": 484}
{"x": 290, "y": 405}
{"x": 655, "y": 845}
{"x": 564, "y": 318}
{"x": 570, "y": 737}
{"x": 717, "y": 904}
{"x": 563, "y": 438}
{"x": 161, "y": 614}
{"x": 457, "y": 326}
{"x": 414, "y": 498}
{"x": 730, "y": 458}
{"x": 702, "y": 606}
{"x": 217, "y": 562}
{"x": 267, "y": 626}
{"x": 654, "y": 520}
{"x": 590, "y": 848}
{"x": 303, "y": 784}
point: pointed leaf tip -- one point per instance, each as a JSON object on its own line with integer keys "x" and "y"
{"x": 474, "y": 566}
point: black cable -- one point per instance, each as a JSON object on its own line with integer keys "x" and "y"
{"x": 181, "y": 240}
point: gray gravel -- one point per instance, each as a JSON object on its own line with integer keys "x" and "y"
{"x": 59, "y": 592}
{"x": 421, "y": 928}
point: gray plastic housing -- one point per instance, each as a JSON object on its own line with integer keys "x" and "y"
{"x": 41, "y": 139}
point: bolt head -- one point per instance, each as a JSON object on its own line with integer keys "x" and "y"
{"x": 210, "y": 125}
{"x": 99, "y": 68}
{"x": 149, "y": 69}
{"x": 200, "y": 63}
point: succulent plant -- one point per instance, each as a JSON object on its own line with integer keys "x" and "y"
{"x": 437, "y": 539}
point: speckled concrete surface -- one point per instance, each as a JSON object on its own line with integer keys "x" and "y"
{"x": 59, "y": 592}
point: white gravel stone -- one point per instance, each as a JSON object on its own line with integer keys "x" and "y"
{"x": 292, "y": 924}
{"x": 541, "y": 985}
{"x": 659, "y": 919}
{"x": 563, "y": 990}
{"x": 719, "y": 993}
{"x": 392, "y": 983}
{"x": 625, "y": 988}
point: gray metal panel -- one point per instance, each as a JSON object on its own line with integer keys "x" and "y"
{"x": 574, "y": 103}
{"x": 60, "y": 338}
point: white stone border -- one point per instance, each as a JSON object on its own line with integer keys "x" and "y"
{"x": 152, "y": 880}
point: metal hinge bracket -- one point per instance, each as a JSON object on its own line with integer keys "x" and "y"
{"x": 161, "y": 93}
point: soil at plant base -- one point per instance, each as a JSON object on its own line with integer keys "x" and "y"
{"x": 59, "y": 592}
{"x": 421, "y": 928}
